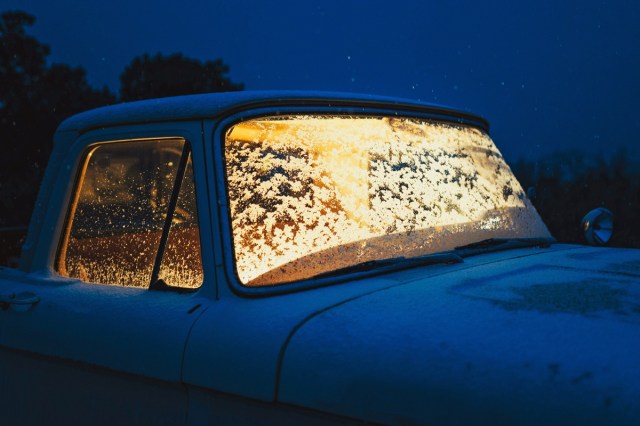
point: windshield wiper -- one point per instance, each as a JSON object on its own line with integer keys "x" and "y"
{"x": 394, "y": 264}
{"x": 496, "y": 244}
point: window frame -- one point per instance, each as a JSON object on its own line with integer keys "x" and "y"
{"x": 217, "y": 140}
{"x": 70, "y": 171}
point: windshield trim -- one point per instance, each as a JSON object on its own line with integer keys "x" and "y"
{"x": 392, "y": 264}
{"x": 492, "y": 245}
{"x": 220, "y": 128}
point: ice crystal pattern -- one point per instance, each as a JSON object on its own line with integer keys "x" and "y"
{"x": 313, "y": 193}
{"x": 115, "y": 225}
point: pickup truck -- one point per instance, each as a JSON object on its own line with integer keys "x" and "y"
{"x": 305, "y": 258}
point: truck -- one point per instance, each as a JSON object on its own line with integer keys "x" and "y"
{"x": 306, "y": 258}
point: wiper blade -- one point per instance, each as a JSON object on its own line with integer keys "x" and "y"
{"x": 495, "y": 244}
{"x": 394, "y": 264}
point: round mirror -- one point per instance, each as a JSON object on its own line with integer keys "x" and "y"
{"x": 598, "y": 226}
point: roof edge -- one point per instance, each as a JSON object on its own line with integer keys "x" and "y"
{"x": 194, "y": 107}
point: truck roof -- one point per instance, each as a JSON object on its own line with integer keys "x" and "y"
{"x": 213, "y": 104}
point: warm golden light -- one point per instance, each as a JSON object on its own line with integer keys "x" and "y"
{"x": 310, "y": 194}
{"x": 118, "y": 213}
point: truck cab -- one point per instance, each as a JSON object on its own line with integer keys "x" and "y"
{"x": 305, "y": 257}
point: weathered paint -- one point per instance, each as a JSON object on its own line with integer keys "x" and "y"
{"x": 543, "y": 339}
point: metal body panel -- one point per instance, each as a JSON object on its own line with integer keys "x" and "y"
{"x": 525, "y": 336}
{"x": 117, "y": 336}
{"x": 39, "y": 390}
{"x": 543, "y": 339}
{"x": 195, "y": 107}
{"x": 236, "y": 345}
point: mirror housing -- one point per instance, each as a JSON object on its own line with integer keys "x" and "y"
{"x": 597, "y": 226}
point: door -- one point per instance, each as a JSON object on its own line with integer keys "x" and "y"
{"x": 101, "y": 339}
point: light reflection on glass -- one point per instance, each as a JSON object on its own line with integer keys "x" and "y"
{"x": 309, "y": 194}
{"x": 118, "y": 213}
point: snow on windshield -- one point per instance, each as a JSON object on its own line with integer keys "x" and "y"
{"x": 309, "y": 194}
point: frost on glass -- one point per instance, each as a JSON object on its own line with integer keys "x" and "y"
{"x": 116, "y": 219}
{"x": 310, "y": 194}
{"x": 182, "y": 265}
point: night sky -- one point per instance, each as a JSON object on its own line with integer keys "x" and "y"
{"x": 548, "y": 75}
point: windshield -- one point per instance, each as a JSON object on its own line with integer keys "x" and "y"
{"x": 312, "y": 194}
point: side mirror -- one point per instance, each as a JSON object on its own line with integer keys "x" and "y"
{"x": 598, "y": 226}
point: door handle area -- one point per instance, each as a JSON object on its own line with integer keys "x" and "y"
{"x": 19, "y": 302}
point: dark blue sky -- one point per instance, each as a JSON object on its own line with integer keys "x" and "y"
{"x": 547, "y": 74}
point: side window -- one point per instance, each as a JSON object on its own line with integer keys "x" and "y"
{"x": 132, "y": 220}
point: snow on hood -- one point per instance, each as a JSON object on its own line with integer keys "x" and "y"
{"x": 545, "y": 339}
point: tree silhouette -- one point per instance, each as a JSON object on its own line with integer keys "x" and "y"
{"x": 160, "y": 76}
{"x": 34, "y": 98}
{"x": 568, "y": 185}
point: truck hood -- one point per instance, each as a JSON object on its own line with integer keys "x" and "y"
{"x": 552, "y": 338}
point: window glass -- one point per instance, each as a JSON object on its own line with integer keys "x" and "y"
{"x": 312, "y": 194}
{"x": 181, "y": 264}
{"x": 118, "y": 213}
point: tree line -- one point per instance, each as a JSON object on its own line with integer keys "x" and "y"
{"x": 35, "y": 97}
{"x": 565, "y": 186}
